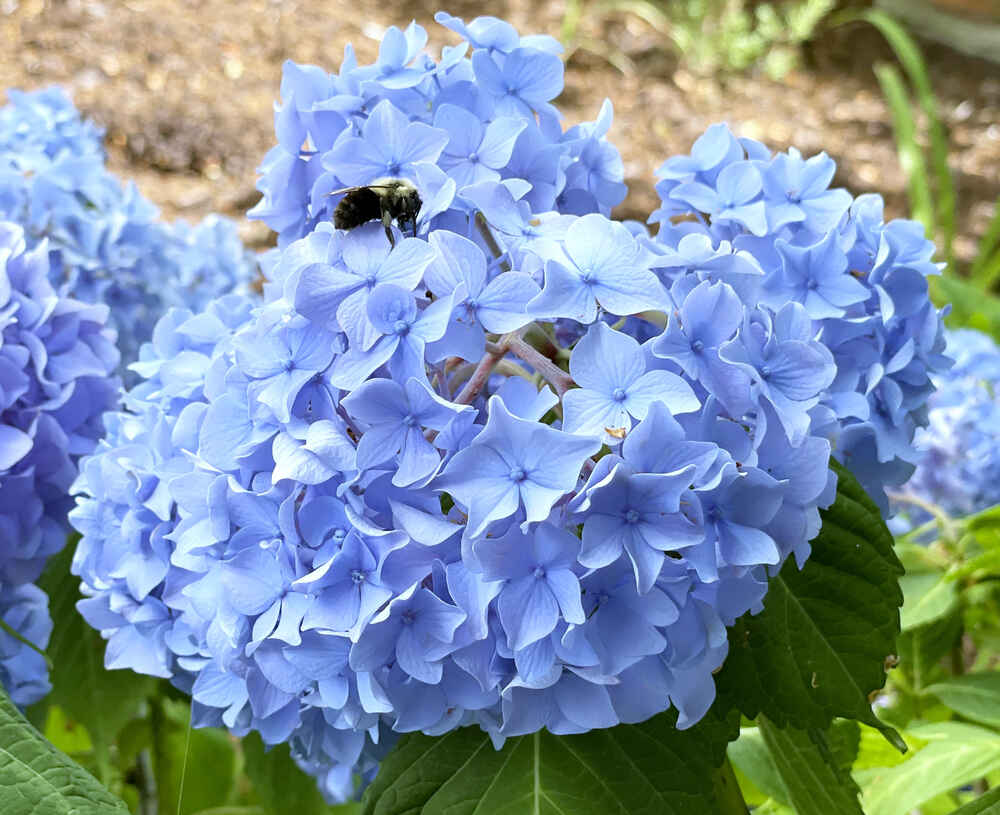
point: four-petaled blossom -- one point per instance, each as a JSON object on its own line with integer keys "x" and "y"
{"x": 817, "y": 277}
{"x": 396, "y": 416}
{"x": 416, "y": 629}
{"x": 790, "y": 370}
{"x": 514, "y": 463}
{"x": 636, "y": 513}
{"x": 496, "y": 305}
{"x": 709, "y": 316}
{"x": 389, "y": 145}
{"x": 403, "y": 333}
{"x": 735, "y": 198}
{"x": 600, "y": 264}
{"x": 796, "y": 190}
{"x": 541, "y": 581}
{"x": 526, "y": 81}
{"x": 475, "y": 152}
{"x": 615, "y": 386}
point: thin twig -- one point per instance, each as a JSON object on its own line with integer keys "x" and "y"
{"x": 491, "y": 242}
{"x": 554, "y": 375}
{"x": 479, "y": 376}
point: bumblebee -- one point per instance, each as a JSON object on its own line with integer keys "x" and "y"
{"x": 385, "y": 199}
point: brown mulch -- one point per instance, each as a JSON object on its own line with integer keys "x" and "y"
{"x": 185, "y": 91}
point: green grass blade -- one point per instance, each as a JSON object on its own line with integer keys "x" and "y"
{"x": 910, "y": 57}
{"x": 988, "y": 256}
{"x": 911, "y": 157}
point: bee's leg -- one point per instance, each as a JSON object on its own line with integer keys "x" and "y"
{"x": 387, "y": 224}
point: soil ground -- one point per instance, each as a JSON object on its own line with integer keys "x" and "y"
{"x": 185, "y": 89}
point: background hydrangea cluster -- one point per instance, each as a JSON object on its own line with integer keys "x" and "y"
{"x": 519, "y": 470}
{"x": 105, "y": 240}
{"x": 57, "y": 360}
{"x": 959, "y": 467}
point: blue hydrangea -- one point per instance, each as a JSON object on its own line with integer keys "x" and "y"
{"x": 480, "y": 116}
{"x": 860, "y": 285}
{"x": 958, "y": 470}
{"x": 518, "y": 471}
{"x": 57, "y": 360}
{"x": 105, "y": 240}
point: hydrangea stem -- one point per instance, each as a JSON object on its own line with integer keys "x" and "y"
{"x": 553, "y": 374}
{"x": 491, "y": 242}
{"x": 494, "y": 353}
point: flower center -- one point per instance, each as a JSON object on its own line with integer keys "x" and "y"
{"x": 401, "y": 327}
{"x": 517, "y": 474}
{"x": 539, "y": 573}
{"x": 358, "y": 576}
{"x": 409, "y": 420}
{"x": 474, "y": 157}
{"x": 632, "y": 517}
{"x": 697, "y": 346}
{"x": 407, "y": 617}
{"x": 618, "y": 394}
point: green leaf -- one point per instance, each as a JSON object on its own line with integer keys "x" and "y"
{"x": 988, "y": 804}
{"x": 102, "y": 701}
{"x": 646, "y": 769}
{"x": 751, "y": 757}
{"x": 814, "y": 782}
{"x": 956, "y": 754}
{"x": 875, "y": 751}
{"x": 921, "y": 650}
{"x": 819, "y": 648}
{"x": 283, "y": 789}
{"x": 36, "y": 779}
{"x": 975, "y": 696}
{"x": 844, "y": 741}
{"x": 926, "y": 598}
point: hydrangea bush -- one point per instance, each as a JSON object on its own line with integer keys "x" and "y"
{"x": 57, "y": 360}
{"x": 521, "y": 469}
{"x": 105, "y": 240}
{"x": 958, "y": 470}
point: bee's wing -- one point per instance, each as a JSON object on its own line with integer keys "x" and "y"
{"x": 346, "y": 190}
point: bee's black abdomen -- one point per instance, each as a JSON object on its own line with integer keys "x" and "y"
{"x": 357, "y": 207}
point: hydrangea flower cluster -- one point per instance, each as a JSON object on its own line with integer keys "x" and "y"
{"x": 519, "y": 470}
{"x": 105, "y": 240}
{"x": 57, "y": 360}
{"x": 959, "y": 466}
{"x": 482, "y": 114}
{"x": 771, "y": 226}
